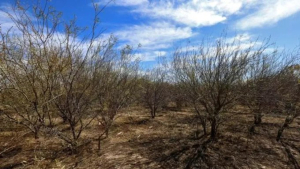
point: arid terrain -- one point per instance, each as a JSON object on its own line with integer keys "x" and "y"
{"x": 168, "y": 141}
{"x": 142, "y": 84}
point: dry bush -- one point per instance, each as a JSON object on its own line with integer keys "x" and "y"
{"x": 155, "y": 89}
{"x": 270, "y": 85}
{"x": 260, "y": 88}
{"x": 116, "y": 88}
{"x": 212, "y": 76}
{"x": 288, "y": 102}
{"x": 46, "y": 72}
{"x": 26, "y": 67}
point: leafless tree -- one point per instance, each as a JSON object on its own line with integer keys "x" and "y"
{"x": 263, "y": 89}
{"x": 177, "y": 95}
{"x": 26, "y": 67}
{"x": 116, "y": 87}
{"x": 259, "y": 89}
{"x": 155, "y": 92}
{"x": 46, "y": 72}
{"x": 212, "y": 76}
{"x": 289, "y": 96}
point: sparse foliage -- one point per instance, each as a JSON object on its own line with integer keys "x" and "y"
{"x": 155, "y": 91}
{"x": 211, "y": 76}
{"x": 47, "y": 73}
{"x": 116, "y": 87}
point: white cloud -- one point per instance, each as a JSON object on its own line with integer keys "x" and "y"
{"x": 245, "y": 37}
{"x": 5, "y": 22}
{"x": 149, "y": 56}
{"x": 159, "y": 35}
{"x": 199, "y": 13}
{"x": 123, "y": 2}
{"x": 240, "y": 42}
{"x": 245, "y": 41}
{"x": 194, "y": 13}
{"x": 175, "y": 20}
{"x": 269, "y": 12}
{"x": 8, "y": 13}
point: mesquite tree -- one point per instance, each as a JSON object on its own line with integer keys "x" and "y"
{"x": 46, "y": 71}
{"x": 264, "y": 88}
{"x": 289, "y": 98}
{"x": 259, "y": 89}
{"x": 212, "y": 76}
{"x": 26, "y": 66}
{"x": 117, "y": 85}
{"x": 155, "y": 90}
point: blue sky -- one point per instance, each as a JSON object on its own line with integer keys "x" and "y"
{"x": 161, "y": 25}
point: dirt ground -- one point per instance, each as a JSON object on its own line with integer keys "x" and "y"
{"x": 168, "y": 141}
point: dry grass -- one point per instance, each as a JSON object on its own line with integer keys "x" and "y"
{"x": 168, "y": 141}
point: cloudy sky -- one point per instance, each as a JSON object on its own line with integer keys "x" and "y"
{"x": 162, "y": 25}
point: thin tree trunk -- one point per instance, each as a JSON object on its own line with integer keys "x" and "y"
{"x": 153, "y": 113}
{"x": 287, "y": 122}
{"x": 99, "y": 143}
{"x": 257, "y": 118}
{"x": 203, "y": 123}
{"x": 257, "y": 121}
{"x": 36, "y": 132}
{"x": 213, "y": 130}
{"x": 280, "y": 131}
{"x": 36, "y": 136}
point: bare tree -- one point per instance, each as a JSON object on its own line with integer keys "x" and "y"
{"x": 263, "y": 89}
{"x": 259, "y": 89}
{"x": 47, "y": 72}
{"x": 116, "y": 87}
{"x": 289, "y": 96}
{"x": 26, "y": 67}
{"x": 177, "y": 95}
{"x": 212, "y": 76}
{"x": 155, "y": 92}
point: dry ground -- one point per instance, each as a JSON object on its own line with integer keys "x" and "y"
{"x": 168, "y": 141}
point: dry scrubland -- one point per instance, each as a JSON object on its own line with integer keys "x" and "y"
{"x": 168, "y": 141}
{"x": 68, "y": 99}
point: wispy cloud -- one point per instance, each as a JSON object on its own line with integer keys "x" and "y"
{"x": 149, "y": 56}
{"x": 199, "y": 13}
{"x": 268, "y": 13}
{"x": 5, "y": 21}
{"x": 162, "y": 23}
{"x": 231, "y": 44}
{"x": 158, "y": 35}
{"x": 123, "y": 2}
{"x": 192, "y": 13}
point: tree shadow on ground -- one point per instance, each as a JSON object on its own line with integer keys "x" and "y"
{"x": 292, "y": 158}
{"x": 176, "y": 152}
